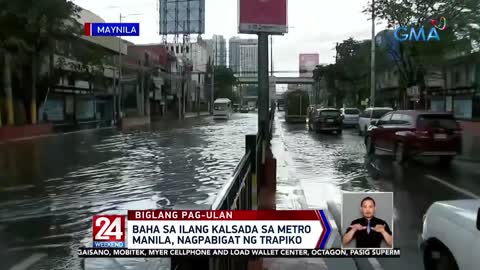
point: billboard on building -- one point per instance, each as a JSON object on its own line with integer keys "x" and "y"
{"x": 308, "y": 62}
{"x": 182, "y": 17}
{"x": 268, "y": 16}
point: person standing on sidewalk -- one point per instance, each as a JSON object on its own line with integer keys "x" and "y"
{"x": 368, "y": 231}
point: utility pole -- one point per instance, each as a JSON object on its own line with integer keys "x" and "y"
{"x": 271, "y": 70}
{"x": 119, "y": 84}
{"x": 212, "y": 92}
{"x": 271, "y": 55}
{"x": 372, "y": 62}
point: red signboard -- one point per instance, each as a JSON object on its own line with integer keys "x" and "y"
{"x": 268, "y": 16}
{"x": 308, "y": 62}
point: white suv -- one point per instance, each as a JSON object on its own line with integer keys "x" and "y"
{"x": 451, "y": 235}
{"x": 368, "y": 115}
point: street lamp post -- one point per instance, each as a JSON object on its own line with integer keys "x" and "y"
{"x": 372, "y": 59}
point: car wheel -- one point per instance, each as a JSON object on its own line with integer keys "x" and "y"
{"x": 439, "y": 258}
{"x": 369, "y": 145}
{"x": 400, "y": 153}
{"x": 445, "y": 161}
{"x": 339, "y": 132}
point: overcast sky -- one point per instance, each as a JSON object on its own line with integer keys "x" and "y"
{"x": 315, "y": 25}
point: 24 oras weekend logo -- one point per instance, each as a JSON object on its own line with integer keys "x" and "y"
{"x": 404, "y": 33}
{"x": 108, "y": 231}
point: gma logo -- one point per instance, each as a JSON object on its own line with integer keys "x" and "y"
{"x": 404, "y": 33}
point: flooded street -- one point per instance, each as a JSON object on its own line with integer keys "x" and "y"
{"x": 51, "y": 187}
{"x": 321, "y": 166}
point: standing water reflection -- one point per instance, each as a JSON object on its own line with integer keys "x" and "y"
{"x": 50, "y": 188}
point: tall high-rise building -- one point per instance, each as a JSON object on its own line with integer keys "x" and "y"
{"x": 217, "y": 50}
{"x": 234, "y": 54}
{"x": 243, "y": 58}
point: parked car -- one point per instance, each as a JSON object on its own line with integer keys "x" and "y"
{"x": 236, "y": 107}
{"x": 325, "y": 119}
{"x": 406, "y": 134}
{"x": 244, "y": 109}
{"x": 450, "y": 237}
{"x": 350, "y": 116}
{"x": 368, "y": 115}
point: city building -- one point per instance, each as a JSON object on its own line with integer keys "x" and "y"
{"x": 84, "y": 95}
{"x": 193, "y": 59}
{"x": 152, "y": 57}
{"x": 243, "y": 56}
{"x": 460, "y": 91}
{"x": 217, "y": 50}
{"x": 234, "y": 54}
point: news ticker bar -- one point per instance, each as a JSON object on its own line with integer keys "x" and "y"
{"x": 161, "y": 253}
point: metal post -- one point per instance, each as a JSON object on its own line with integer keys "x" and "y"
{"x": 271, "y": 55}
{"x": 251, "y": 141}
{"x": 212, "y": 93}
{"x": 114, "y": 95}
{"x": 263, "y": 84}
{"x": 119, "y": 84}
{"x": 372, "y": 63}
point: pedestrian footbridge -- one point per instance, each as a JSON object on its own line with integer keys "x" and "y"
{"x": 278, "y": 80}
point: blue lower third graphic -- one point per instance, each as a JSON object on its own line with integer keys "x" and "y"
{"x": 327, "y": 228}
{"x": 107, "y": 244}
{"x": 115, "y": 29}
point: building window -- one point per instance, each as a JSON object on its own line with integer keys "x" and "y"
{"x": 462, "y": 107}
{"x": 467, "y": 75}
{"x": 456, "y": 77}
{"x": 437, "y": 105}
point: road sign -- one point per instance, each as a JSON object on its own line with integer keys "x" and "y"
{"x": 413, "y": 91}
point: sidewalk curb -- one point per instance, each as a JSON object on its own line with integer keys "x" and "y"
{"x": 54, "y": 134}
{"x": 467, "y": 159}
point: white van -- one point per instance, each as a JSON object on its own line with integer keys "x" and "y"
{"x": 222, "y": 108}
{"x": 350, "y": 116}
{"x": 368, "y": 115}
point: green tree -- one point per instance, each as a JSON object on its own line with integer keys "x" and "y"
{"x": 48, "y": 21}
{"x": 413, "y": 59}
{"x": 29, "y": 30}
{"x": 11, "y": 44}
{"x": 224, "y": 82}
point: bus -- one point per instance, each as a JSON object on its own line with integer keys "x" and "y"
{"x": 222, "y": 108}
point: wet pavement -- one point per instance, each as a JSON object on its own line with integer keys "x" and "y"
{"x": 321, "y": 166}
{"x": 51, "y": 187}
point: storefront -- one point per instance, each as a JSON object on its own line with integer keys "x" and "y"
{"x": 73, "y": 109}
{"x": 464, "y": 104}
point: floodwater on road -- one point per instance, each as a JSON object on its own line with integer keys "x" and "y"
{"x": 51, "y": 187}
{"x": 325, "y": 165}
